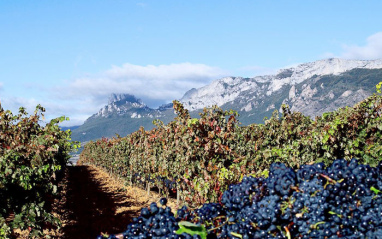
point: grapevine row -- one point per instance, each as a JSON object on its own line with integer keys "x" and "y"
{"x": 343, "y": 200}
{"x": 200, "y": 158}
{"x": 32, "y": 160}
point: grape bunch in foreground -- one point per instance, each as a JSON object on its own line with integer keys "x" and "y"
{"x": 342, "y": 200}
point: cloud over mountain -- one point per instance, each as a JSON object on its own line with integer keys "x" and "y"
{"x": 152, "y": 83}
{"x": 372, "y": 49}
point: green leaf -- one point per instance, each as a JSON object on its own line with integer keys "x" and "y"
{"x": 265, "y": 173}
{"x": 376, "y": 191}
{"x": 38, "y": 212}
{"x": 192, "y": 229}
{"x": 378, "y": 86}
{"x": 192, "y": 122}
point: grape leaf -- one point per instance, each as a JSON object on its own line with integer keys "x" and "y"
{"x": 192, "y": 229}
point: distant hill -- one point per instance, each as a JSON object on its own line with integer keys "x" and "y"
{"x": 70, "y": 127}
{"x": 311, "y": 88}
{"x": 123, "y": 115}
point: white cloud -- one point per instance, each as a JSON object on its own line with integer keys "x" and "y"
{"x": 82, "y": 97}
{"x": 372, "y": 49}
{"x": 78, "y": 114}
{"x": 14, "y": 103}
{"x": 162, "y": 83}
{"x": 1, "y": 85}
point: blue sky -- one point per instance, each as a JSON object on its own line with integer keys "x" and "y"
{"x": 69, "y": 56}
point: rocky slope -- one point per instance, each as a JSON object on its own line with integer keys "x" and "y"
{"x": 229, "y": 89}
{"x": 311, "y": 88}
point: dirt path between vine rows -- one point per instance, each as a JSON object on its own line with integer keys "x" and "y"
{"x": 97, "y": 203}
{"x": 93, "y": 202}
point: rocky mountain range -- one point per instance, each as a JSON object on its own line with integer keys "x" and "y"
{"x": 311, "y": 88}
{"x": 126, "y": 104}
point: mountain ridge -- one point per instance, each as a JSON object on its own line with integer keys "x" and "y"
{"x": 213, "y": 94}
{"x": 311, "y": 88}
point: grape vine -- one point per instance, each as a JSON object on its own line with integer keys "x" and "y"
{"x": 201, "y": 157}
{"x": 32, "y": 160}
{"x": 343, "y": 200}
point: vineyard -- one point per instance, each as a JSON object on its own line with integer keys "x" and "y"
{"x": 32, "y": 160}
{"x": 291, "y": 177}
{"x": 199, "y": 158}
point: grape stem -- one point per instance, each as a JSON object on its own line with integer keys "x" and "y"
{"x": 328, "y": 178}
{"x": 288, "y": 235}
{"x": 317, "y": 224}
{"x": 220, "y": 225}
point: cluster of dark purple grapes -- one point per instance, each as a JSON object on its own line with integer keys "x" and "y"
{"x": 170, "y": 185}
{"x": 137, "y": 179}
{"x": 343, "y": 200}
{"x": 158, "y": 222}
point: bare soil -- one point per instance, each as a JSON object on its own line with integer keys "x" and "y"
{"x": 93, "y": 202}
